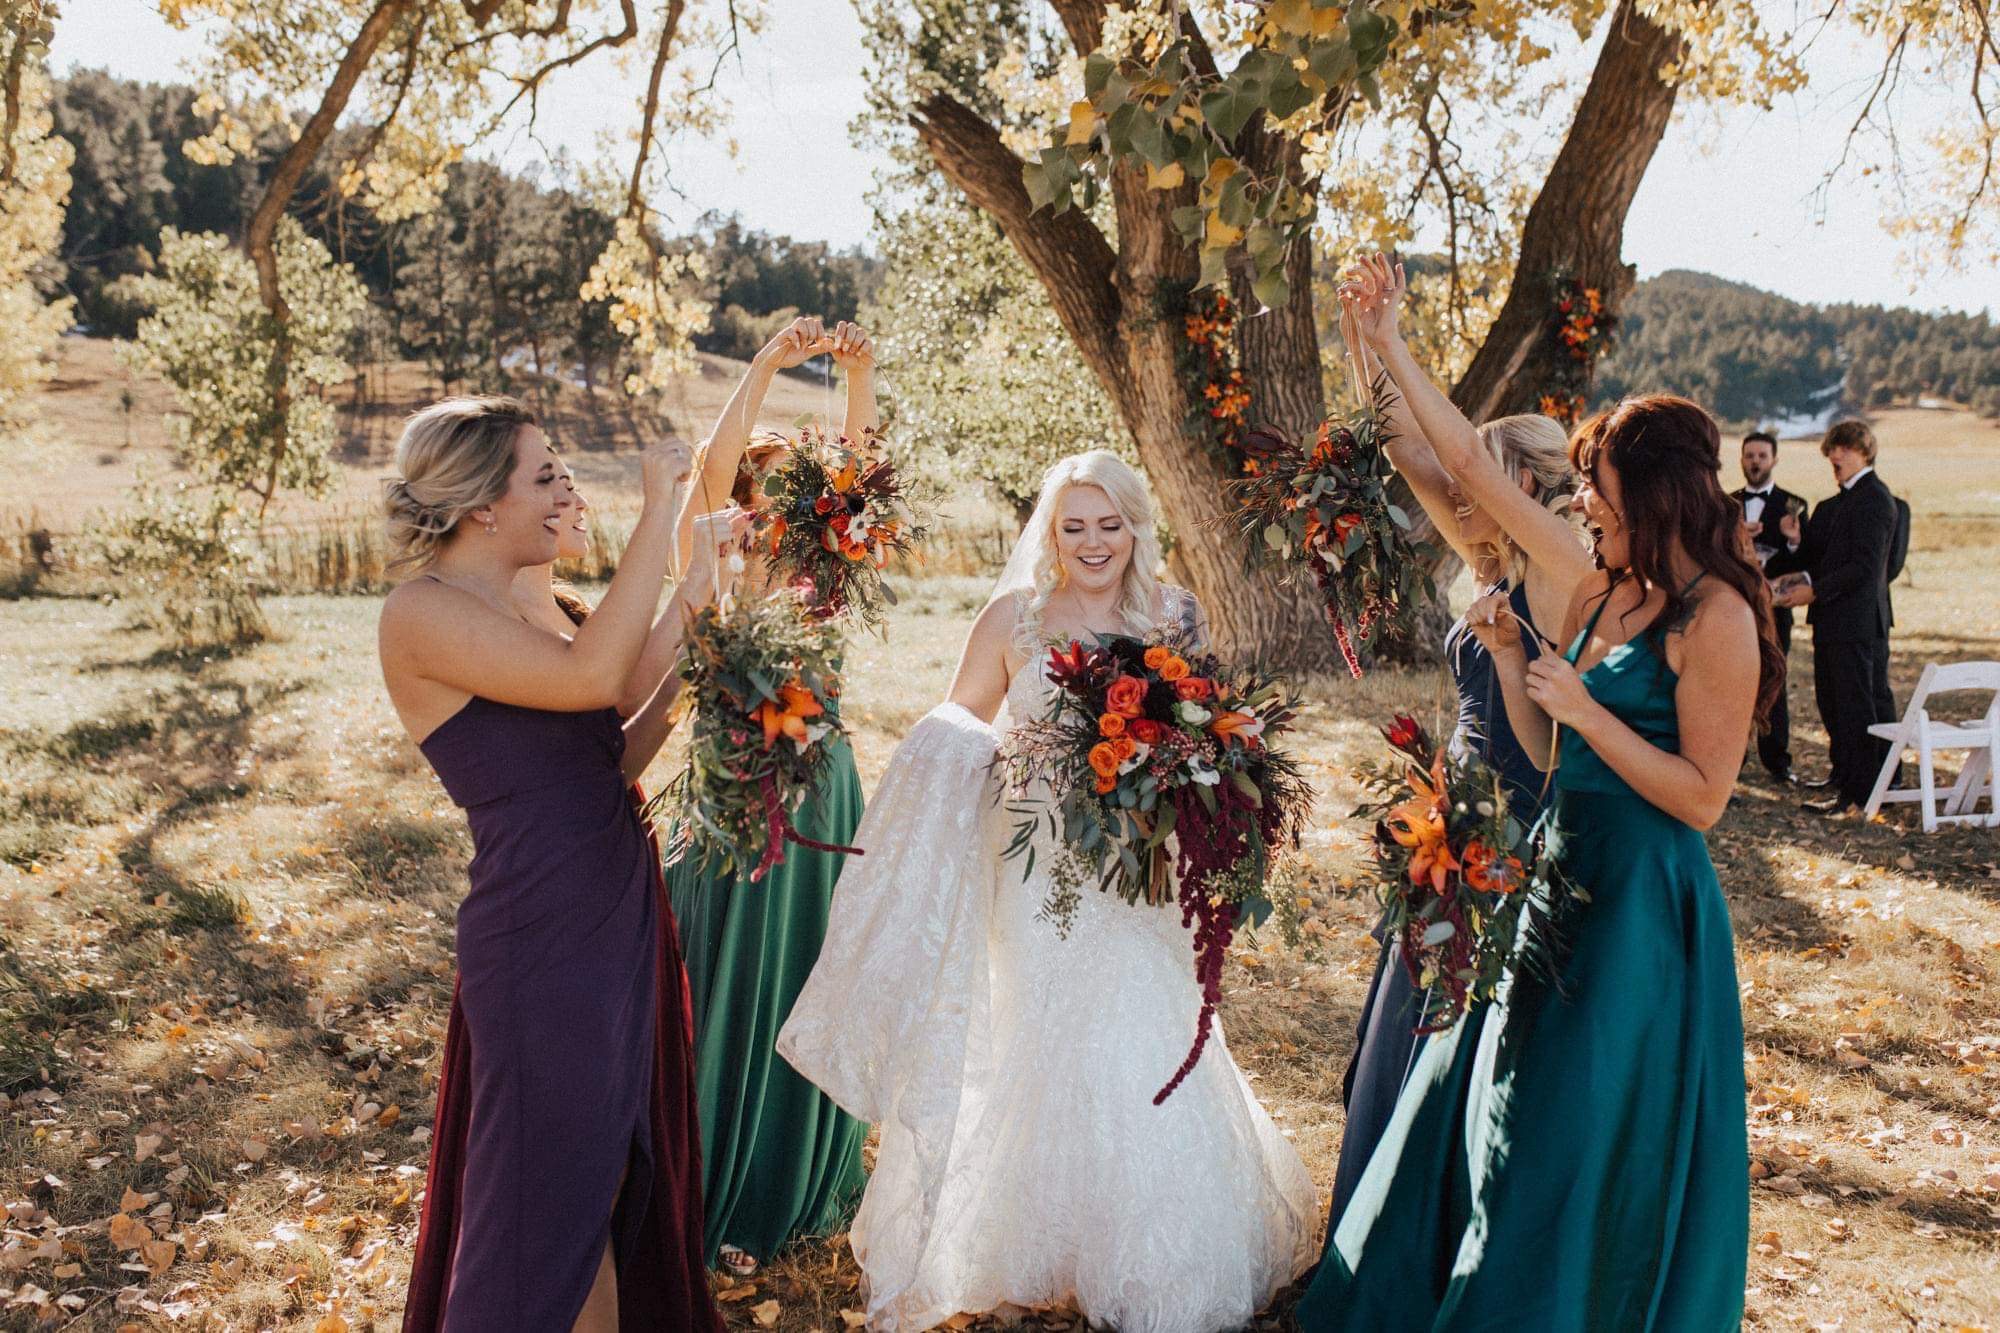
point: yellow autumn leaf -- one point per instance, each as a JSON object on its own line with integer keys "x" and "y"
{"x": 1326, "y": 21}
{"x": 1082, "y": 120}
{"x": 1294, "y": 17}
{"x": 1219, "y": 234}
{"x": 1219, "y": 171}
{"x": 766, "y": 1314}
{"x": 1164, "y": 178}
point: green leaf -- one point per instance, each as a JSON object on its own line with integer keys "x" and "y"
{"x": 1226, "y": 111}
{"x": 1396, "y": 515}
{"x": 1119, "y": 128}
{"x": 1370, "y": 90}
{"x": 1150, "y": 138}
{"x": 1334, "y": 62}
{"x": 1041, "y": 190}
{"x": 1271, "y": 287}
{"x": 1287, "y": 94}
{"x": 1096, "y": 72}
{"x": 1214, "y": 267}
{"x": 1372, "y": 35}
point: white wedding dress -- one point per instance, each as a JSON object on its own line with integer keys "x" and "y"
{"x": 1012, "y": 1072}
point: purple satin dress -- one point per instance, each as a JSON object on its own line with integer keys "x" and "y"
{"x": 558, "y": 959}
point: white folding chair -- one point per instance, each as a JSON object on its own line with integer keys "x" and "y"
{"x": 1919, "y": 733}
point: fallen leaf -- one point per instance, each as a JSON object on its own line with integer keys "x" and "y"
{"x": 131, "y": 1201}
{"x": 128, "y": 1232}
{"x": 145, "y": 1146}
{"x": 739, "y": 1293}
{"x": 853, "y": 1318}
{"x": 158, "y": 1255}
{"x": 766, "y": 1314}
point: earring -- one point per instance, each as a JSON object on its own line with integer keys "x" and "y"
{"x": 490, "y": 529}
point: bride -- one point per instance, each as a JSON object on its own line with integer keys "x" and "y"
{"x": 1012, "y": 1071}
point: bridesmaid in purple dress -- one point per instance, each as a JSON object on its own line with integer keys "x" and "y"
{"x": 560, "y": 1220}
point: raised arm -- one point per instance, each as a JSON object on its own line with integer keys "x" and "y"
{"x": 1548, "y": 540}
{"x": 1491, "y": 620}
{"x": 1409, "y": 452}
{"x": 721, "y": 454}
{"x": 980, "y": 683}
{"x": 455, "y": 638}
{"x": 854, "y": 353}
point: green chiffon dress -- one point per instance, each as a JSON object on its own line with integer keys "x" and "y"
{"x": 1573, "y": 1157}
{"x": 780, "y": 1159}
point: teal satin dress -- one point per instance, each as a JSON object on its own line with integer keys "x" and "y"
{"x": 1573, "y": 1157}
{"x": 780, "y": 1159}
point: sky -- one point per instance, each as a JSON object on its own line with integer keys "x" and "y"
{"x": 1732, "y": 191}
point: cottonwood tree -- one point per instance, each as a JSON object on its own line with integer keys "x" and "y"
{"x": 1222, "y": 134}
{"x": 34, "y": 187}
{"x": 423, "y": 81}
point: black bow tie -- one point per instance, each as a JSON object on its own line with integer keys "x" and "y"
{"x": 1764, "y": 494}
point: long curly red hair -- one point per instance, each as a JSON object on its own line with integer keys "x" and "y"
{"x": 1668, "y": 453}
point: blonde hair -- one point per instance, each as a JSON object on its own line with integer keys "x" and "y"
{"x": 1138, "y": 596}
{"x": 1539, "y": 446}
{"x": 454, "y": 457}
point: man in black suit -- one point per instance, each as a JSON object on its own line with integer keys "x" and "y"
{"x": 1765, "y": 506}
{"x": 1841, "y": 570}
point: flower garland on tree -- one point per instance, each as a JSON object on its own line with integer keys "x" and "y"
{"x": 1581, "y": 329}
{"x": 1209, "y": 362}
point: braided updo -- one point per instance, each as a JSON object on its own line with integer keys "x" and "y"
{"x": 454, "y": 457}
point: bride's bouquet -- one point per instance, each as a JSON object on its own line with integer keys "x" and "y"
{"x": 1144, "y": 742}
{"x": 1466, "y": 890}
{"x": 1328, "y": 509}
{"x": 839, "y": 512}
{"x": 762, "y": 681}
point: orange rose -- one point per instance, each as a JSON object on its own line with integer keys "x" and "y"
{"x": 1146, "y": 731}
{"x": 1126, "y": 695}
{"x": 1156, "y": 657}
{"x": 1104, "y": 760}
{"x": 1173, "y": 669}
{"x": 1126, "y": 748}
{"x": 1111, "y": 726}
{"x": 1105, "y": 786}
{"x": 1194, "y": 688}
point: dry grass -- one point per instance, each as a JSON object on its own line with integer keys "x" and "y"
{"x": 227, "y": 885}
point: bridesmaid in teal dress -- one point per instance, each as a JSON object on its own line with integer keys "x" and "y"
{"x": 780, "y": 1159}
{"x": 1573, "y": 1156}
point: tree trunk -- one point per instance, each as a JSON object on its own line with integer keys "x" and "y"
{"x": 1577, "y": 224}
{"x": 1114, "y": 305}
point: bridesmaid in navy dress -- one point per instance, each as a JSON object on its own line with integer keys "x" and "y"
{"x": 1537, "y": 576}
{"x": 564, "y": 1217}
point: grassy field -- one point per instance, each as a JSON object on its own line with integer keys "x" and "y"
{"x": 227, "y": 885}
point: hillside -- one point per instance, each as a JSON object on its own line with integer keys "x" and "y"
{"x": 87, "y": 449}
{"x": 1753, "y": 356}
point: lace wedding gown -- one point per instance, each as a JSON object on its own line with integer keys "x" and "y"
{"x": 1022, "y": 1160}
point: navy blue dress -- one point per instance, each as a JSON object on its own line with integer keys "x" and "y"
{"x": 1385, "y": 1044}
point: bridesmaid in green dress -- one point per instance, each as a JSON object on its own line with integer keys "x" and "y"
{"x": 780, "y": 1159}
{"x": 1573, "y": 1157}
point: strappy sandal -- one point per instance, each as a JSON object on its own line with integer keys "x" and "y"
{"x": 737, "y": 1262}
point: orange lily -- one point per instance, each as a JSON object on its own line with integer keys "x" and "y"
{"x": 1418, "y": 824}
{"x": 1232, "y": 725}
{"x": 789, "y": 716}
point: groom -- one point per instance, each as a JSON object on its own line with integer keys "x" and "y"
{"x": 1841, "y": 570}
{"x": 1765, "y": 507}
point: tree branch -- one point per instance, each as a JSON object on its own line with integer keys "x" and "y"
{"x": 1066, "y": 250}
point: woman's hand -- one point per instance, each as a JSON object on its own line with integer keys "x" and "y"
{"x": 718, "y": 537}
{"x": 797, "y": 343}
{"x": 1371, "y": 290}
{"x": 1491, "y": 620}
{"x": 852, "y": 349}
{"x": 1557, "y": 689}
{"x": 663, "y": 474}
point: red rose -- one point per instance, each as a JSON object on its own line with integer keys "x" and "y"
{"x": 1146, "y": 731}
{"x": 1403, "y": 732}
{"x": 1127, "y": 695}
{"x": 1195, "y": 688}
